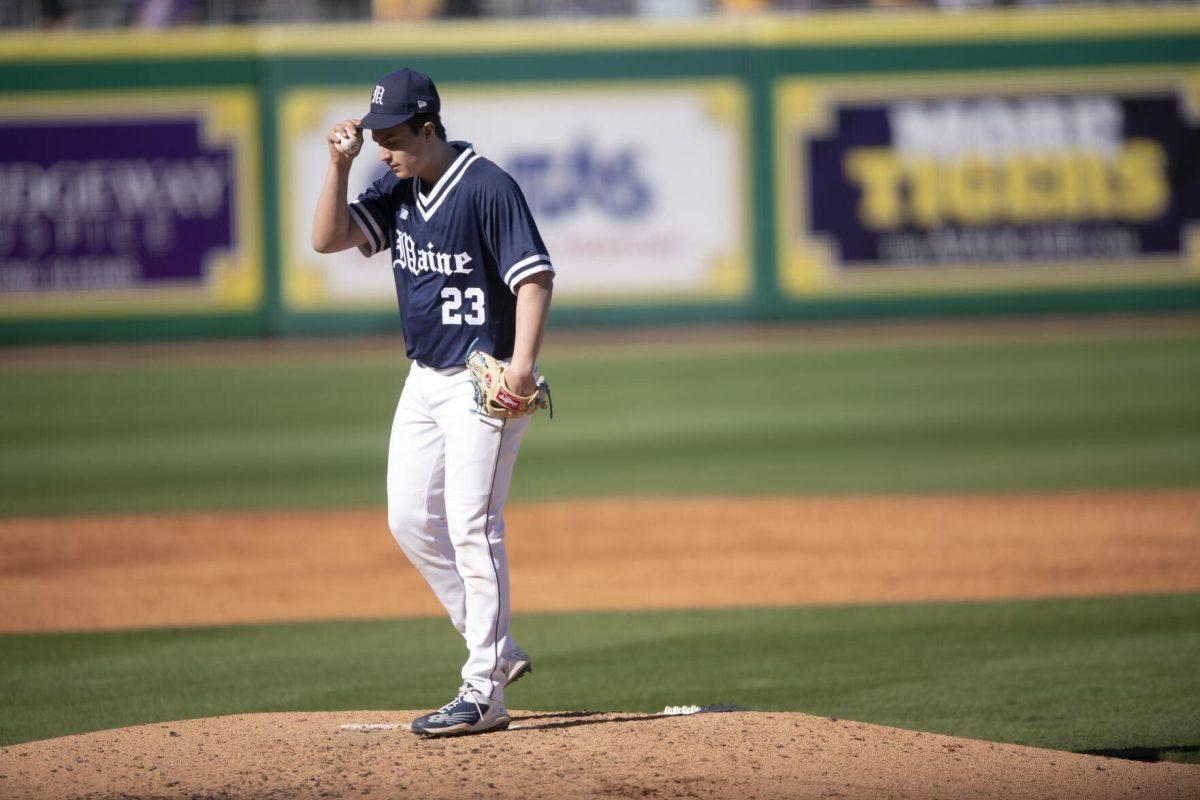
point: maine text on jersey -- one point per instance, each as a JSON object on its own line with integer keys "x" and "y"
{"x": 409, "y": 257}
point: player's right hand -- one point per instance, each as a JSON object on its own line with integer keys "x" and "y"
{"x": 347, "y": 127}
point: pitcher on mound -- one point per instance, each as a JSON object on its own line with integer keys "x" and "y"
{"x": 474, "y": 281}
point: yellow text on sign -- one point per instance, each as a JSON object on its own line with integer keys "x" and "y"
{"x": 1131, "y": 186}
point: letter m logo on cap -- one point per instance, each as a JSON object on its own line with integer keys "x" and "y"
{"x": 377, "y": 96}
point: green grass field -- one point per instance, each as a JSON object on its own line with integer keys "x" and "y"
{"x": 921, "y": 416}
{"x": 1104, "y": 674}
{"x": 918, "y": 418}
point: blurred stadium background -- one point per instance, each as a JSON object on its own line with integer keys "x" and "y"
{"x": 746, "y": 167}
{"x": 915, "y": 249}
{"x": 166, "y": 13}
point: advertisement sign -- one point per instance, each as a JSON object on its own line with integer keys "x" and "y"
{"x": 129, "y": 203}
{"x": 1053, "y": 179}
{"x": 640, "y": 190}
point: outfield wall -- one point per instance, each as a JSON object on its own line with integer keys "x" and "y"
{"x": 161, "y": 184}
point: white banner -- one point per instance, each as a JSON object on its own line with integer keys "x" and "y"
{"x": 640, "y": 191}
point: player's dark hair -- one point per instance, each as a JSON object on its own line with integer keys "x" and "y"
{"x": 417, "y": 122}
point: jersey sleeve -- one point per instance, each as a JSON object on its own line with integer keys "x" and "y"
{"x": 374, "y": 212}
{"x": 512, "y": 234}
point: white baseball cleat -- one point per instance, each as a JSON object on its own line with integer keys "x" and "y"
{"x": 516, "y": 665}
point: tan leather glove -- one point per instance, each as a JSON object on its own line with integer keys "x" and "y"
{"x": 492, "y": 394}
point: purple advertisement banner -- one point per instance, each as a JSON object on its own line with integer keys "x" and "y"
{"x": 1074, "y": 178}
{"x": 111, "y": 204}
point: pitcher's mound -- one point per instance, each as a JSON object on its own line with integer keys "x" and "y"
{"x": 564, "y": 754}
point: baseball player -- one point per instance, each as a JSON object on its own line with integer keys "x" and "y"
{"x": 474, "y": 280}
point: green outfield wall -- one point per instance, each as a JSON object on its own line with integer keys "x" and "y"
{"x": 159, "y": 185}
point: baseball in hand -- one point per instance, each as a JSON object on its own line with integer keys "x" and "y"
{"x": 348, "y": 145}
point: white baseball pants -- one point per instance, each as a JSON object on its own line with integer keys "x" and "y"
{"x": 448, "y": 475}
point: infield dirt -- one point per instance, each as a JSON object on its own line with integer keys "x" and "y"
{"x": 81, "y": 573}
{"x": 738, "y": 756}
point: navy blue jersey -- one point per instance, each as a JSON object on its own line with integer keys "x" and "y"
{"x": 458, "y": 254}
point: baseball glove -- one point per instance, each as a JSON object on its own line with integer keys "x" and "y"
{"x": 493, "y": 396}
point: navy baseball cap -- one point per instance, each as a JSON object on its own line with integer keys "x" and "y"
{"x": 400, "y": 95}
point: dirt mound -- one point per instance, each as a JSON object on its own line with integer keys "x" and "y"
{"x": 564, "y": 755}
{"x": 223, "y": 567}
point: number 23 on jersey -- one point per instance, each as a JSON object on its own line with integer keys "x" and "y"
{"x": 453, "y": 312}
